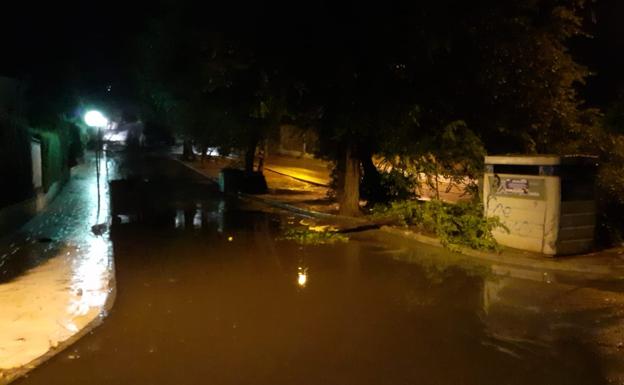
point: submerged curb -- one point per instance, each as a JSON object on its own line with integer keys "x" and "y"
{"x": 543, "y": 263}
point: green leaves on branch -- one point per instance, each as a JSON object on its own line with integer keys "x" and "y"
{"x": 456, "y": 225}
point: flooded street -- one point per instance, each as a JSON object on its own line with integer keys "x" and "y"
{"x": 209, "y": 292}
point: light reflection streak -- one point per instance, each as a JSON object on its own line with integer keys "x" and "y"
{"x": 221, "y": 217}
{"x": 302, "y": 276}
{"x": 179, "y": 219}
{"x": 197, "y": 218}
{"x": 90, "y": 277}
{"x": 92, "y": 256}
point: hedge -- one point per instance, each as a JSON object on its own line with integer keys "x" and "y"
{"x": 15, "y": 163}
{"x": 53, "y": 158}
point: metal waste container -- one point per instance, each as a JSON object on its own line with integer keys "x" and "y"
{"x": 546, "y": 202}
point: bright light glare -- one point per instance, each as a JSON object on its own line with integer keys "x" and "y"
{"x": 302, "y": 277}
{"x": 95, "y": 119}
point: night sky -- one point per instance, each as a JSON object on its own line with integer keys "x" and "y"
{"x": 90, "y": 44}
{"x": 604, "y": 52}
{"x": 87, "y": 44}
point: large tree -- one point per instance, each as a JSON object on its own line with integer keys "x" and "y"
{"x": 216, "y": 89}
{"x": 417, "y": 81}
{"x": 526, "y": 91}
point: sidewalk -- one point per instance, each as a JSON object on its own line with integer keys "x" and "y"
{"x": 287, "y": 190}
{"x": 56, "y": 276}
{"x": 300, "y": 182}
{"x": 314, "y": 171}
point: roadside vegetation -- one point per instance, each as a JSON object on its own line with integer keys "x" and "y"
{"x": 457, "y": 225}
{"x": 15, "y": 162}
{"x": 62, "y": 146}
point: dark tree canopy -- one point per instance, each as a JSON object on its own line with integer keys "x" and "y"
{"x": 412, "y": 81}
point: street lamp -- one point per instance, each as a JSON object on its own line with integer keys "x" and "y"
{"x": 97, "y": 120}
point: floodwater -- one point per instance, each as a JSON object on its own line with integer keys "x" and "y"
{"x": 209, "y": 293}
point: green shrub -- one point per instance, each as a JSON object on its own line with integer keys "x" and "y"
{"x": 460, "y": 224}
{"x": 60, "y": 149}
{"x": 398, "y": 185}
{"x": 52, "y": 159}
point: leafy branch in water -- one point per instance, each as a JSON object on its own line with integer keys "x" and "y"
{"x": 306, "y": 236}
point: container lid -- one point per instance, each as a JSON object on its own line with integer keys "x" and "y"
{"x": 542, "y": 160}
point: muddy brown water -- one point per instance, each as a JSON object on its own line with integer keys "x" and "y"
{"x": 208, "y": 293}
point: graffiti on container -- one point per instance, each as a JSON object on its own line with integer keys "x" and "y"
{"x": 519, "y": 227}
{"x": 504, "y": 212}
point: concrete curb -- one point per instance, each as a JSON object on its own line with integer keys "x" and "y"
{"x": 297, "y": 178}
{"x": 302, "y": 211}
{"x": 544, "y": 263}
{"x": 183, "y": 163}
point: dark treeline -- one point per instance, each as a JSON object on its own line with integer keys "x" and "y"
{"x": 427, "y": 86}
{"x": 434, "y": 85}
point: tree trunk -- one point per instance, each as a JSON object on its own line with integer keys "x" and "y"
{"x": 187, "y": 150}
{"x": 437, "y": 183}
{"x": 350, "y": 198}
{"x": 371, "y": 180}
{"x": 250, "y": 155}
{"x": 203, "y": 154}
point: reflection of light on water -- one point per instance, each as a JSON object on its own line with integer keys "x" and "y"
{"x": 302, "y": 276}
{"x": 197, "y": 218}
{"x": 221, "y": 216}
{"x": 90, "y": 273}
{"x": 99, "y": 204}
{"x": 179, "y": 219}
{"x": 90, "y": 279}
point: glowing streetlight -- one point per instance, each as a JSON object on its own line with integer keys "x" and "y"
{"x": 95, "y": 118}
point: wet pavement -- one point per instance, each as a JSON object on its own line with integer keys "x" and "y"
{"x": 56, "y": 274}
{"x": 210, "y": 292}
